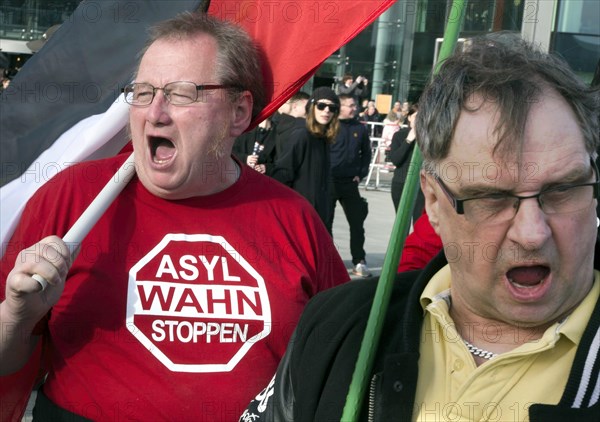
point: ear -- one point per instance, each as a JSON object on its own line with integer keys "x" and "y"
{"x": 241, "y": 114}
{"x": 431, "y": 200}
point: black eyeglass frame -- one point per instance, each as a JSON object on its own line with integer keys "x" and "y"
{"x": 458, "y": 204}
{"x": 129, "y": 89}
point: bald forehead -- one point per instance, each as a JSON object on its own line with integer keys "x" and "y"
{"x": 191, "y": 58}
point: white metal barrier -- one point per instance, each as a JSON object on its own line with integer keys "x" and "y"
{"x": 379, "y": 164}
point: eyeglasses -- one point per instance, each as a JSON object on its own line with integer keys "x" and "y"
{"x": 177, "y": 93}
{"x": 503, "y": 206}
{"x": 334, "y": 108}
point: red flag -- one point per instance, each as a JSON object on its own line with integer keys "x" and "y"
{"x": 295, "y": 39}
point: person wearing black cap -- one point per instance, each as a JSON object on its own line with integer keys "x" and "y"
{"x": 303, "y": 163}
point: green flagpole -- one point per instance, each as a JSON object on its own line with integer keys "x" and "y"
{"x": 368, "y": 348}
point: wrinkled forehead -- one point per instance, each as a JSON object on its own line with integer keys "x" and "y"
{"x": 551, "y": 142}
{"x": 196, "y": 54}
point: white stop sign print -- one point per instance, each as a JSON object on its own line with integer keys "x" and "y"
{"x": 196, "y": 304}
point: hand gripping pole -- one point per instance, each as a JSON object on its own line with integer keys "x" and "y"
{"x": 94, "y": 211}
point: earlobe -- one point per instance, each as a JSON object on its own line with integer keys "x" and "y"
{"x": 431, "y": 200}
{"x": 241, "y": 114}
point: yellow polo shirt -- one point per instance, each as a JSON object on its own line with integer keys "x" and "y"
{"x": 452, "y": 388}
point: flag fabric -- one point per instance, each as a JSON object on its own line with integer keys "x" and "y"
{"x": 63, "y": 93}
{"x": 78, "y": 73}
{"x": 54, "y": 91}
{"x": 97, "y": 136}
{"x": 64, "y": 106}
{"x": 296, "y": 37}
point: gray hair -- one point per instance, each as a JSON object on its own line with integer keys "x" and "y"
{"x": 507, "y": 70}
{"x": 238, "y": 61}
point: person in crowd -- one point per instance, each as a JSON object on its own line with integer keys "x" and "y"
{"x": 256, "y": 147}
{"x": 504, "y": 324}
{"x": 371, "y": 115}
{"x": 397, "y": 110}
{"x": 401, "y": 149}
{"x": 391, "y": 125}
{"x": 304, "y": 163}
{"x": 182, "y": 298}
{"x": 291, "y": 114}
{"x": 405, "y": 109}
{"x": 357, "y": 89}
{"x": 363, "y": 107}
{"x": 350, "y": 160}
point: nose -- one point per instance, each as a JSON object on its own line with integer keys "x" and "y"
{"x": 529, "y": 228}
{"x": 158, "y": 110}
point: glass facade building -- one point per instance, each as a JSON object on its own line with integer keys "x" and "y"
{"x": 396, "y": 53}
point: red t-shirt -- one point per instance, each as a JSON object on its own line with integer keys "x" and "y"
{"x": 175, "y": 310}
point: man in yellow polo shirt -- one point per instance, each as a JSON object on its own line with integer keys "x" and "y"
{"x": 503, "y": 325}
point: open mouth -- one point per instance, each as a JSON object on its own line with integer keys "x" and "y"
{"x": 162, "y": 149}
{"x": 527, "y": 277}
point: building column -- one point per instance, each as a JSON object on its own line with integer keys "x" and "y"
{"x": 538, "y": 16}
{"x": 384, "y": 27}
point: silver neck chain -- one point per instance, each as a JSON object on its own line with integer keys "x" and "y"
{"x": 476, "y": 351}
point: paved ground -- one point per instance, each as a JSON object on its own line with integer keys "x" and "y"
{"x": 378, "y": 227}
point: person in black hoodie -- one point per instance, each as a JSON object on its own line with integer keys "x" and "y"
{"x": 303, "y": 162}
{"x": 350, "y": 159}
{"x": 291, "y": 114}
{"x": 504, "y": 324}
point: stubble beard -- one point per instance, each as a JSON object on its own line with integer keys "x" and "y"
{"x": 216, "y": 148}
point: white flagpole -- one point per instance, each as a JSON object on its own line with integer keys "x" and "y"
{"x": 94, "y": 211}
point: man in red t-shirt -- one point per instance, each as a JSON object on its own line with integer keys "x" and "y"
{"x": 183, "y": 296}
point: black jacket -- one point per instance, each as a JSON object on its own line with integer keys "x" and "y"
{"x": 312, "y": 380}
{"x": 246, "y": 144}
{"x": 283, "y": 125}
{"x": 303, "y": 165}
{"x": 400, "y": 154}
{"x": 351, "y": 152}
